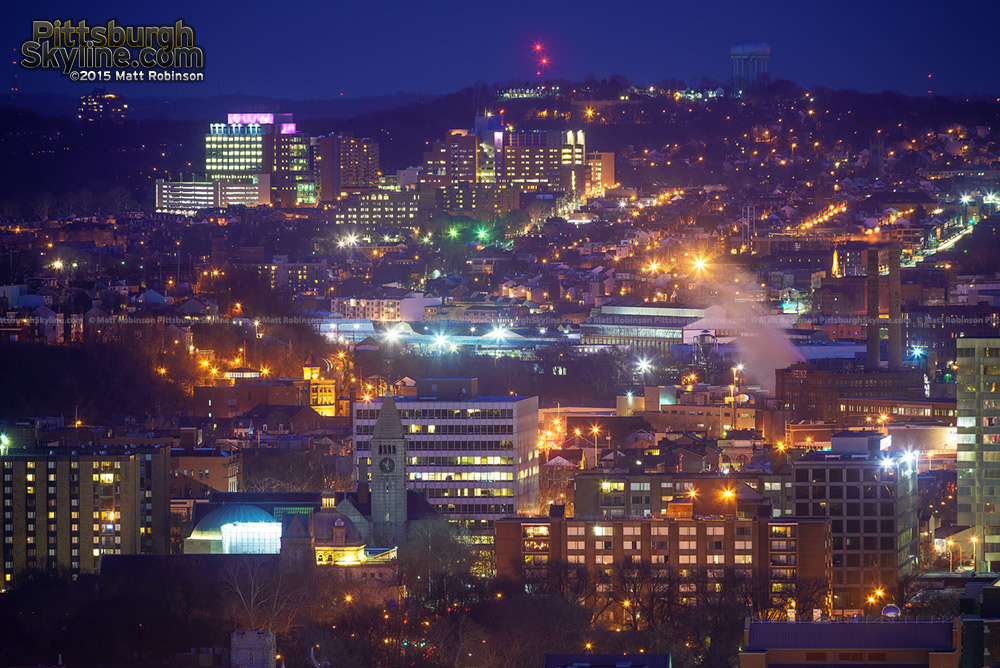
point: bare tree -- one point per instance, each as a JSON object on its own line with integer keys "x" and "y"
{"x": 65, "y": 205}
{"x": 120, "y": 199}
{"x": 263, "y": 597}
{"x": 42, "y": 206}
{"x": 9, "y": 209}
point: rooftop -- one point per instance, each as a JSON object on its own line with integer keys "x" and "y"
{"x": 933, "y": 636}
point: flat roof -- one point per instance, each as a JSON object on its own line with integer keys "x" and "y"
{"x": 896, "y": 634}
{"x": 499, "y": 399}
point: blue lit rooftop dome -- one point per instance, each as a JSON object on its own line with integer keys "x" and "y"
{"x": 210, "y": 526}
{"x": 891, "y": 611}
{"x": 749, "y": 48}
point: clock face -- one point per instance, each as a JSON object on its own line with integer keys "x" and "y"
{"x": 387, "y": 465}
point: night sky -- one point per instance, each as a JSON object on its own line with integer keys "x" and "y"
{"x": 364, "y": 47}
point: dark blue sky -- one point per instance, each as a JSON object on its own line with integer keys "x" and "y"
{"x": 372, "y": 47}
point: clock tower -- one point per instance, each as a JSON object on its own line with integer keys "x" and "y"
{"x": 388, "y": 486}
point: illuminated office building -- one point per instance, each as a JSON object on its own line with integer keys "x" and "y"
{"x": 979, "y": 445}
{"x": 474, "y": 457}
{"x": 541, "y": 159}
{"x": 250, "y": 144}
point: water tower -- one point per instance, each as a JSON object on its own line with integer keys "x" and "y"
{"x": 749, "y": 65}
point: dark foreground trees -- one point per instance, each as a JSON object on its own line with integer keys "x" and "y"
{"x": 446, "y": 611}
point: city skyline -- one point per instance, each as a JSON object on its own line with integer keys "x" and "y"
{"x": 634, "y": 370}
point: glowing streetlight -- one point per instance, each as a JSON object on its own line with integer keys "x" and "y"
{"x": 700, "y": 263}
{"x": 643, "y": 365}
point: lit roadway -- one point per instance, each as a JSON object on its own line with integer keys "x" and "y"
{"x": 941, "y": 247}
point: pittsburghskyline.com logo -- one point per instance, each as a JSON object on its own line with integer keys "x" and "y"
{"x": 112, "y": 52}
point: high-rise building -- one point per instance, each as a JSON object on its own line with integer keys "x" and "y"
{"x": 453, "y": 161}
{"x": 541, "y": 159}
{"x": 870, "y": 496}
{"x": 979, "y": 445}
{"x": 234, "y": 151}
{"x": 250, "y": 144}
{"x": 67, "y": 508}
{"x": 347, "y": 165}
{"x": 474, "y": 457}
{"x": 289, "y": 161}
{"x": 100, "y": 106}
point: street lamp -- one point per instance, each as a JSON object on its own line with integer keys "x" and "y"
{"x": 643, "y": 365}
{"x": 951, "y": 555}
{"x": 975, "y": 541}
{"x": 594, "y": 431}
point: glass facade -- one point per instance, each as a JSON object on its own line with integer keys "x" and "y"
{"x": 251, "y": 538}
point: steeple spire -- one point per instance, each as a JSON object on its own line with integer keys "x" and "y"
{"x": 388, "y": 425}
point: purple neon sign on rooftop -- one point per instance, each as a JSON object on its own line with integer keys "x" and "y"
{"x": 249, "y": 118}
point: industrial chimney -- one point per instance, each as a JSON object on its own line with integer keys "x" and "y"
{"x": 895, "y": 310}
{"x": 872, "y": 360}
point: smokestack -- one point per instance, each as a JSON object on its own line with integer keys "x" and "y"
{"x": 872, "y": 326}
{"x": 895, "y": 311}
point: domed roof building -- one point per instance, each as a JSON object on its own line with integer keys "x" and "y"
{"x": 235, "y": 528}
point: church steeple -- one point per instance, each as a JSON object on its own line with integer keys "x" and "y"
{"x": 388, "y": 465}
